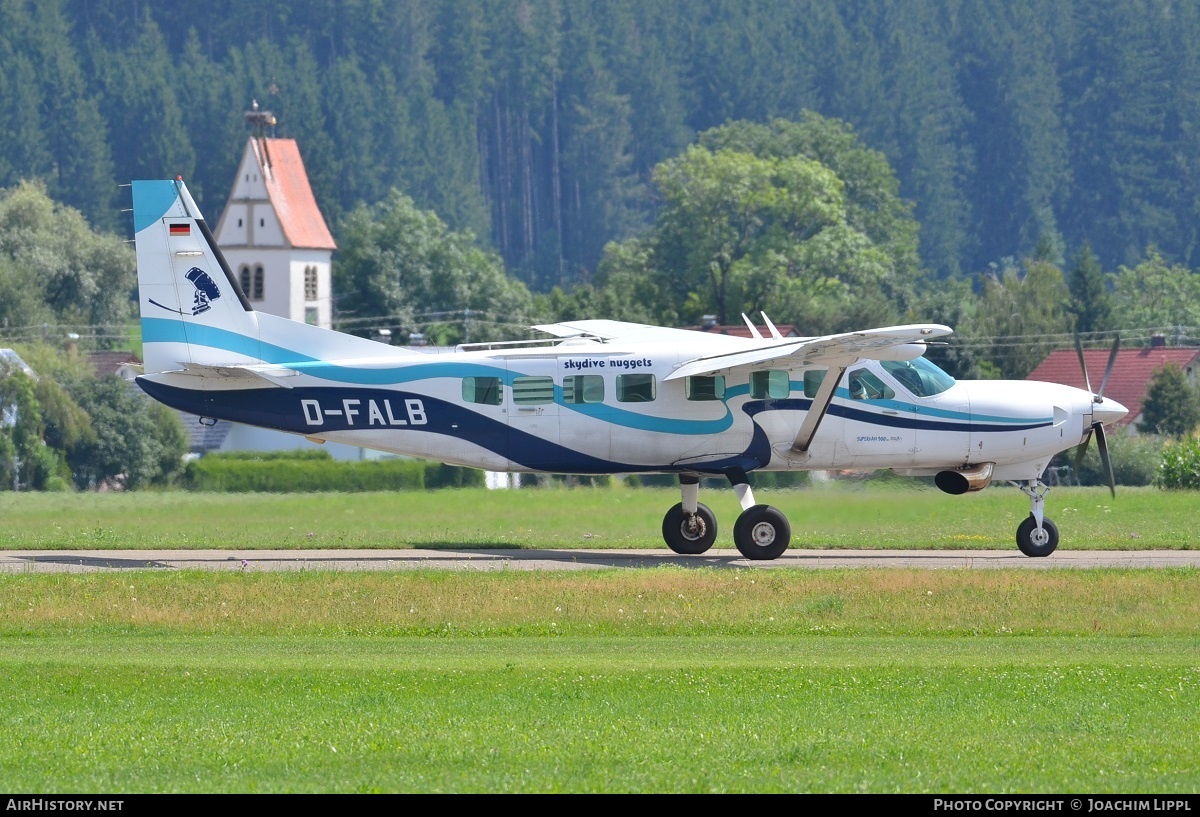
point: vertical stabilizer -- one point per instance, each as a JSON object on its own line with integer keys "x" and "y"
{"x": 192, "y": 309}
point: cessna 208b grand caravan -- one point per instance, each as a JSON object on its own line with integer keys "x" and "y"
{"x": 602, "y": 397}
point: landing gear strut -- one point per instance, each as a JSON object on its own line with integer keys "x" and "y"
{"x": 1037, "y": 535}
{"x": 761, "y": 531}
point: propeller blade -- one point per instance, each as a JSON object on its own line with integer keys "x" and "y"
{"x": 1102, "y": 445}
{"x": 1112, "y": 358}
{"x": 1082, "y": 364}
{"x": 1081, "y": 452}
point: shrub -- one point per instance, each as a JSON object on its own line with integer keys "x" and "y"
{"x": 306, "y": 471}
{"x": 1135, "y": 460}
{"x": 295, "y": 454}
{"x": 1180, "y": 465}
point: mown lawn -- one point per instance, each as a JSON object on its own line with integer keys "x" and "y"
{"x": 657, "y": 680}
{"x": 595, "y": 517}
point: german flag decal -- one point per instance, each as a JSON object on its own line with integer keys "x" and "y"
{"x": 181, "y": 229}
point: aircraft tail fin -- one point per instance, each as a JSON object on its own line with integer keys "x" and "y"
{"x": 192, "y": 309}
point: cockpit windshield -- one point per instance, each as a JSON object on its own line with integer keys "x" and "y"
{"x": 919, "y": 376}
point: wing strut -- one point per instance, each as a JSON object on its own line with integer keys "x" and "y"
{"x": 820, "y": 405}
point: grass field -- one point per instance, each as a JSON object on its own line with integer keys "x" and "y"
{"x": 662, "y": 679}
{"x": 609, "y": 517}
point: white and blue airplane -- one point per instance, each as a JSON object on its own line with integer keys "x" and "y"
{"x": 603, "y": 397}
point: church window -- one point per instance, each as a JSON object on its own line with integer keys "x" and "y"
{"x": 310, "y": 283}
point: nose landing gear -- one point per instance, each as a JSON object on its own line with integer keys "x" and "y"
{"x": 1037, "y": 535}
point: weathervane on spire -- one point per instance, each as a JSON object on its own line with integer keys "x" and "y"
{"x": 259, "y": 120}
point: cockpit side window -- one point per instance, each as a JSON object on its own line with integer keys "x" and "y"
{"x": 864, "y": 385}
{"x": 918, "y": 376}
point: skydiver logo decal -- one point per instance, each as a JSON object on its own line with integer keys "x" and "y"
{"x": 206, "y": 290}
{"x": 374, "y": 413}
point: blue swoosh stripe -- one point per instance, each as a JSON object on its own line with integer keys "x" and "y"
{"x": 158, "y": 330}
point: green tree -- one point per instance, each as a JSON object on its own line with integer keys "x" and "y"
{"x": 953, "y": 304}
{"x": 1156, "y": 295}
{"x": 25, "y": 461}
{"x": 49, "y": 251}
{"x": 625, "y": 289}
{"x": 212, "y": 117}
{"x": 869, "y": 185}
{"x": 741, "y": 233}
{"x": 1172, "y": 404}
{"x": 402, "y": 268}
{"x": 138, "y": 86}
{"x": 1122, "y": 142}
{"x": 135, "y": 445}
{"x": 1009, "y": 78}
{"x": 600, "y": 193}
{"x": 1022, "y": 317}
{"x": 1091, "y": 302}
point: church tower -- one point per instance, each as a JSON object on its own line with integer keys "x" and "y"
{"x": 272, "y": 232}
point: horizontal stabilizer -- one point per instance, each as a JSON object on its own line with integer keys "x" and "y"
{"x": 272, "y": 375}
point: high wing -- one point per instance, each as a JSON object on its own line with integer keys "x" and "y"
{"x": 885, "y": 343}
{"x": 605, "y": 330}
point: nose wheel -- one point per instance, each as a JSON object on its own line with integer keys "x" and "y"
{"x": 1037, "y": 535}
{"x": 1035, "y": 541}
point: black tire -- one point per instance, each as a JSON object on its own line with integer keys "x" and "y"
{"x": 1033, "y": 543}
{"x": 687, "y": 535}
{"x": 762, "y": 532}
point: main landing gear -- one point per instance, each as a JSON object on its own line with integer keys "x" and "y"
{"x": 761, "y": 531}
{"x": 1037, "y": 535}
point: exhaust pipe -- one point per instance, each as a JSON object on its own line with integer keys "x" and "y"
{"x": 965, "y": 480}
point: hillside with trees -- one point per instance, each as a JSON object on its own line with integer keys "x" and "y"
{"x": 1012, "y": 170}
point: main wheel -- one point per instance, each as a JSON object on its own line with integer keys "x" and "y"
{"x": 762, "y": 532}
{"x": 690, "y": 534}
{"x": 1034, "y": 542}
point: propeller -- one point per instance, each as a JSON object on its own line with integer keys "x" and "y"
{"x": 1097, "y": 429}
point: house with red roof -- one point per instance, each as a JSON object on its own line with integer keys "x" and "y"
{"x": 1131, "y": 372}
{"x": 273, "y": 234}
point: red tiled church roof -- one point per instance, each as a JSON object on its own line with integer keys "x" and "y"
{"x": 291, "y": 195}
{"x": 1131, "y": 373}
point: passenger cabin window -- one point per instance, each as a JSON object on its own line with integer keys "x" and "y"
{"x": 813, "y": 379}
{"x": 532, "y": 391}
{"x": 703, "y": 387}
{"x": 635, "y": 388}
{"x": 772, "y": 383}
{"x": 864, "y": 385}
{"x": 485, "y": 390}
{"x": 583, "y": 388}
